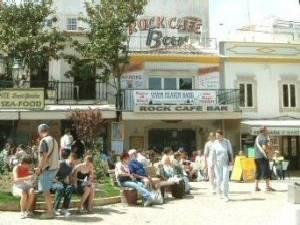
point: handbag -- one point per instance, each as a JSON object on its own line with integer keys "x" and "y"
{"x": 229, "y": 153}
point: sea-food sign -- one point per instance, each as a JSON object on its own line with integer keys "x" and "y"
{"x": 175, "y": 97}
{"x": 31, "y": 99}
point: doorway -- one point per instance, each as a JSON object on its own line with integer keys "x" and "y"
{"x": 290, "y": 150}
{"x": 174, "y": 138}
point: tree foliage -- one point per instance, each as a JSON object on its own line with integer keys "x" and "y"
{"x": 87, "y": 125}
{"x": 107, "y": 46}
{"x": 24, "y": 36}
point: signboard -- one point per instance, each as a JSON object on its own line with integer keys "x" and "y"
{"x": 278, "y": 131}
{"x": 117, "y": 131}
{"x": 133, "y": 80}
{"x": 183, "y": 108}
{"x": 170, "y": 23}
{"x": 249, "y": 169}
{"x": 209, "y": 81}
{"x": 117, "y": 147}
{"x": 31, "y": 99}
{"x": 174, "y": 97}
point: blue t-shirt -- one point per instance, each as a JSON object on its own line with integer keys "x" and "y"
{"x": 137, "y": 168}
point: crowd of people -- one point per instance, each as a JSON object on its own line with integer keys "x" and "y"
{"x": 58, "y": 169}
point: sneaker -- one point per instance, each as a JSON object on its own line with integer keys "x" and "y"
{"x": 58, "y": 212}
{"x": 29, "y": 214}
{"x": 148, "y": 202}
{"x": 47, "y": 216}
{"x": 66, "y": 213}
{"x": 23, "y": 215}
{"x": 226, "y": 199}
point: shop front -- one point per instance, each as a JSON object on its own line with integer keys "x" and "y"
{"x": 284, "y": 135}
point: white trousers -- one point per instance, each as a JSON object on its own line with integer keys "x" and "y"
{"x": 222, "y": 178}
{"x": 212, "y": 177}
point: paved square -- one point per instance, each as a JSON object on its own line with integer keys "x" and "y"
{"x": 201, "y": 208}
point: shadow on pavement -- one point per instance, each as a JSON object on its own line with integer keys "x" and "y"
{"x": 108, "y": 211}
{"x": 247, "y": 199}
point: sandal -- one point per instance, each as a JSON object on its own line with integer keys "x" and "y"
{"x": 257, "y": 189}
{"x": 270, "y": 189}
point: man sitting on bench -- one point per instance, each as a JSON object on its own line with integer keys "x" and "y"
{"x": 127, "y": 180}
{"x": 137, "y": 169}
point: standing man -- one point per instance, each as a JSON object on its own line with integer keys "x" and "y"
{"x": 263, "y": 172}
{"x": 48, "y": 166}
{"x": 224, "y": 159}
{"x": 210, "y": 160}
{"x": 66, "y": 143}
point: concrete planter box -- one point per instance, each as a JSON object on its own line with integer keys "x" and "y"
{"x": 42, "y": 206}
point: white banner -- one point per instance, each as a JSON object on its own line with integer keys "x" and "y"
{"x": 209, "y": 81}
{"x": 174, "y": 97}
{"x": 182, "y": 108}
{"x": 278, "y": 131}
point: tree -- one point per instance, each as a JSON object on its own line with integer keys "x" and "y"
{"x": 108, "y": 41}
{"x": 25, "y": 38}
{"x": 87, "y": 125}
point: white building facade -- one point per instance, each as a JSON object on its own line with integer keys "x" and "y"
{"x": 268, "y": 78}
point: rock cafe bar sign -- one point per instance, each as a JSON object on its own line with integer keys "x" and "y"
{"x": 156, "y": 25}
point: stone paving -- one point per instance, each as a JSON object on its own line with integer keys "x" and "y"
{"x": 200, "y": 208}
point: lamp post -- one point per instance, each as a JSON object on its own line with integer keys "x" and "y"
{"x": 17, "y": 70}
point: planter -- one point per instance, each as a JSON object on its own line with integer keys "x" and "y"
{"x": 42, "y": 206}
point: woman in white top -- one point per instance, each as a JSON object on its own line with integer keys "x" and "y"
{"x": 210, "y": 160}
{"x": 224, "y": 159}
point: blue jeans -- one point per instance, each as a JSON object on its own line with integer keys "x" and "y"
{"x": 46, "y": 180}
{"x": 62, "y": 191}
{"x": 139, "y": 186}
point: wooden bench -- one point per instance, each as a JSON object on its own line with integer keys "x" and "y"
{"x": 129, "y": 196}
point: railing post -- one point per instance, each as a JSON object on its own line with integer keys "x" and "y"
{"x": 57, "y": 88}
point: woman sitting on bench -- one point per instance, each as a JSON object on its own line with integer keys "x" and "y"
{"x": 125, "y": 179}
{"x": 83, "y": 177}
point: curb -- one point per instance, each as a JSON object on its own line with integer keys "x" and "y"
{"x": 74, "y": 204}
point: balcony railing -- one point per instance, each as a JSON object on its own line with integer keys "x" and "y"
{"x": 208, "y": 100}
{"x": 59, "y": 92}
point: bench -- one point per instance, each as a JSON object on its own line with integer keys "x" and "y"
{"x": 129, "y": 196}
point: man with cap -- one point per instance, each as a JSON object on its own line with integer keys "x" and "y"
{"x": 137, "y": 169}
{"x": 263, "y": 172}
{"x": 48, "y": 166}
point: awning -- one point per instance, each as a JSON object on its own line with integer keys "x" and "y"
{"x": 274, "y": 127}
{"x": 55, "y": 112}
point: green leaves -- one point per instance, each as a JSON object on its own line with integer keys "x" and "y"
{"x": 108, "y": 36}
{"x": 23, "y": 34}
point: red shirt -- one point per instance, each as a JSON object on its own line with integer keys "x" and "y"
{"x": 23, "y": 171}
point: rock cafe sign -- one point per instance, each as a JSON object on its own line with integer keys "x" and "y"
{"x": 156, "y": 25}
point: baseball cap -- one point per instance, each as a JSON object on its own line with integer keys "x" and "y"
{"x": 132, "y": 151}
{"x": 43, "y": 127}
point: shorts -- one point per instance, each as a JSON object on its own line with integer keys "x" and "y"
{"x": 263, "y": 171}
{"x": 46, "y": 180}
{"x": 18, "y": 189}
{"x": 81, "y": 185}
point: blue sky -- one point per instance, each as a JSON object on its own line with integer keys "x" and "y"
{"x": 234, "y": 13}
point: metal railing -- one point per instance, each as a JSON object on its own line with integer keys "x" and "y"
{"x": 228, "y": 97}
{"x": 74, "y": 92}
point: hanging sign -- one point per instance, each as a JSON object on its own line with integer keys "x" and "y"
{"x": 175, "y": 97}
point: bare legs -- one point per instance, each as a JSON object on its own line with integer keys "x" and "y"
{"x": 87, "y": 198}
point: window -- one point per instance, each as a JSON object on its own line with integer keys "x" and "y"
{"x": 289, "y": 95}
{"x": 72, "y": 24}
{"x": 246, "y": 95}
{"x": 155, "y": 83}
{"x": 185, "y": 83}
{"x": 170, "y": 83}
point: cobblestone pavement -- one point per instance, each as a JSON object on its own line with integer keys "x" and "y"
{"x": 202, "y": 208}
